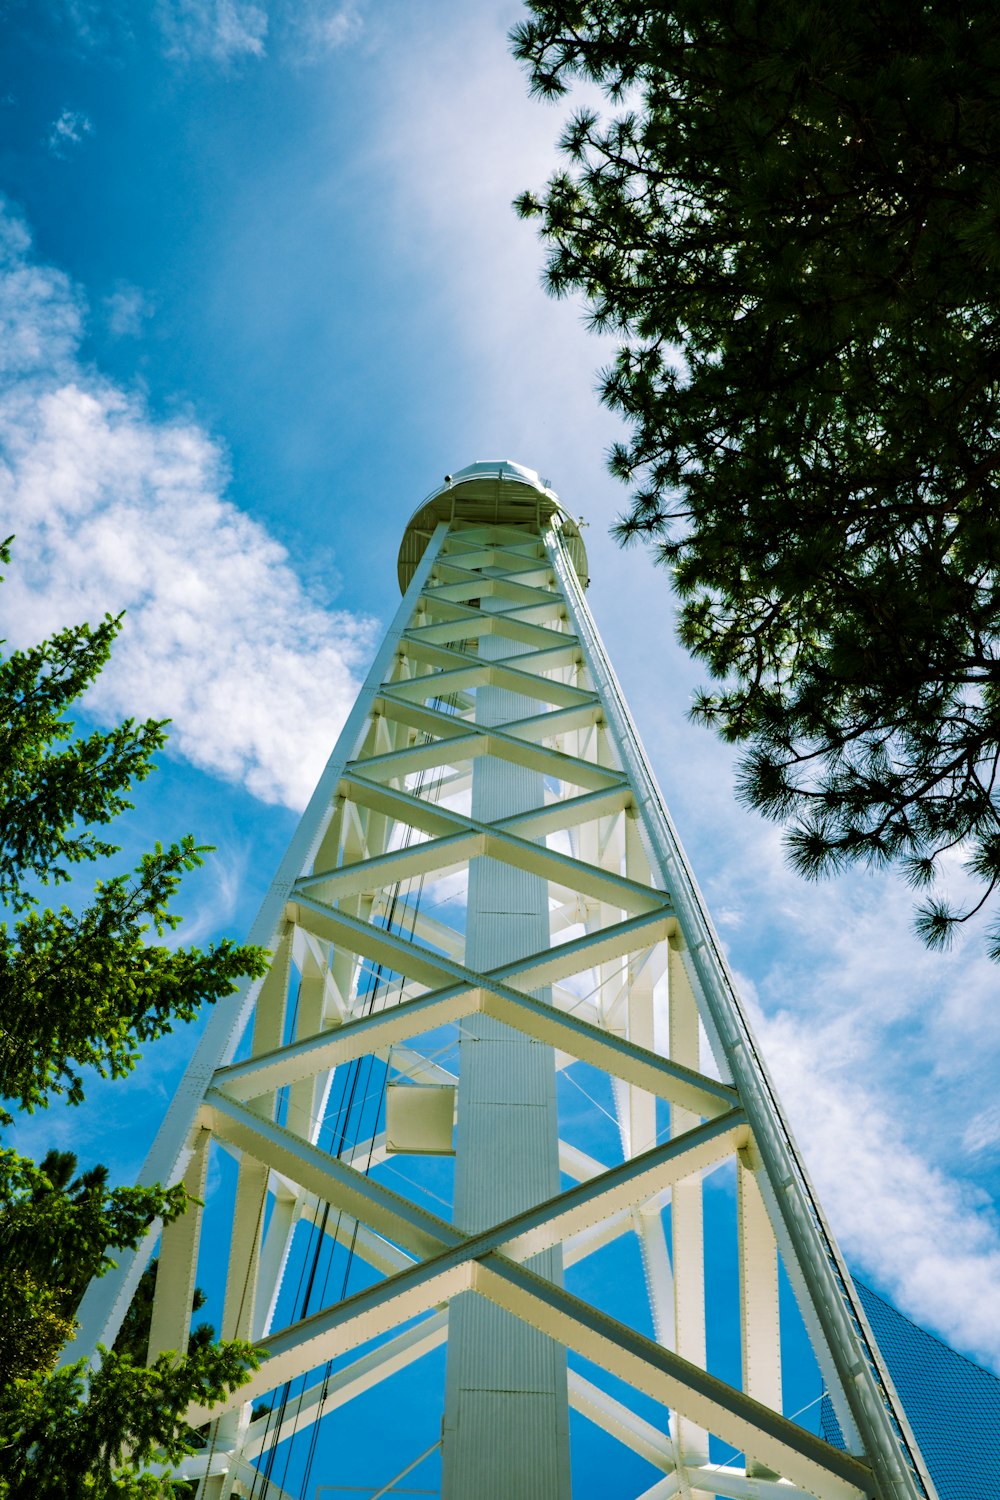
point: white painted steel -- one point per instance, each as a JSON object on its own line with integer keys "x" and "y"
{"x": 869, "y": 1410}
{"x": 487, "y": 860}
{"x": 505, "y": 1386}
{"x": 107, "y": 1299}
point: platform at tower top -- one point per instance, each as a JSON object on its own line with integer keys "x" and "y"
{"x": 498, "y": 493}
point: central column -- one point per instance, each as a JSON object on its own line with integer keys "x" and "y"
{"x": 506, "y": 1428}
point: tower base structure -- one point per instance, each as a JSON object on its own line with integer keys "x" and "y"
{"x": 506, "y": 1195}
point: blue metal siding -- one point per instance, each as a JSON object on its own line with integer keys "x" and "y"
{"x": 952, "y": 1403}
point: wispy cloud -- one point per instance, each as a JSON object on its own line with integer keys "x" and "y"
{"x": 127, "y": 310}
{"x": 456, "y": 138}
{"x": 931, "y": 1240}
{"x": 114, "y": 509}
{"x": 982, "y": 1134}
{"x": 880, "y": 1052}
{"x": 92, "y": 24}
{"x": 68, "y": 131}
{"x": 218, "y": 30}
{"x": 319, "y": 27}
{"x": 219, "y": 885}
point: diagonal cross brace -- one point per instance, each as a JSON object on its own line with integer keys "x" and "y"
{"x": 531, "y": 730}
{"x": 479, "y": 1262}
{"x": 418, "y": 812}
{"x": 470, "y": 839}
{"x": 457, "y": 679}
{"x": 424, "y": 966}
{"x": 478, "y": 994}
{"x": 525, "y": 1234}
{"x": 471, "y": 742}
{"x": 735, "y": 1417}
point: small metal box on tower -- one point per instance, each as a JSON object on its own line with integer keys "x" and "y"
{"x": 420, "y": 1118}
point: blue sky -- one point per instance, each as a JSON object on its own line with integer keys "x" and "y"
{"x": 260, "y": 288}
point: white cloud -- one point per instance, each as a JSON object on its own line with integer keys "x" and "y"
{"x": 931, "y": 1241}
{"x": 881, "y": 1053}
{"x": 127, "y": 309}
{"x": 217, "y": 30}
{"x": 116, "y": 510}
{"x": 69, "y": 130}
{"x": 982, "y": 1134}
{"x": 319, "y": 27}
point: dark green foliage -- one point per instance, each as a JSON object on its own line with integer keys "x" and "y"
{"x": 62, "y": 1432}
{"x": 133, "y": 1336}
{"x": 795, "y": 228}
{"x": 82, "y": 989}
{"x": 56, "y": 1232}
{"x": 56, "y": 787}
{"x": 79, "y": 1439}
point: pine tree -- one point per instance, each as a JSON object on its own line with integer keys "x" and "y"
{"x": 82, "y": 989}
{"x": 791, "y": 219}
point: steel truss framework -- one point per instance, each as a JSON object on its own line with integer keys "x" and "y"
{"x": 630, "y": 982}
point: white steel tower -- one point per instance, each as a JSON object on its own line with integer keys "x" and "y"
{"x": 488, "y": 1130}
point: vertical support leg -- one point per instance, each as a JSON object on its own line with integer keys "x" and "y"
{"x": 178, "y": 1263}
{"x": 248, "y": 1223}
{"x": 506, "y": 1388}
{"x": 659, "y": 1277}
{"x": 274, "y": 1258}
{"x": 251, "y": 1187}
{"x": 686, "y": 1216}
{"x": 305, "y": 1094}
{"x": 759, "y": 1316}
{"x": 642, "y": 1105}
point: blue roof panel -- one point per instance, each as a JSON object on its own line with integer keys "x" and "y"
{"x": 953, "y": 1404}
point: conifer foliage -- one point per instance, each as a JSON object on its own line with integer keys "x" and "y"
{"x": 81, "y": 988}
{"x": 791, "y": 217}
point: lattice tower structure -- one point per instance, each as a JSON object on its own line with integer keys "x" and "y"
{"x": 466, "y": 1125}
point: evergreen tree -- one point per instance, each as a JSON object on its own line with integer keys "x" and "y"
{"x": 791, "y": 218}
{"x": 82, "y": 989}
